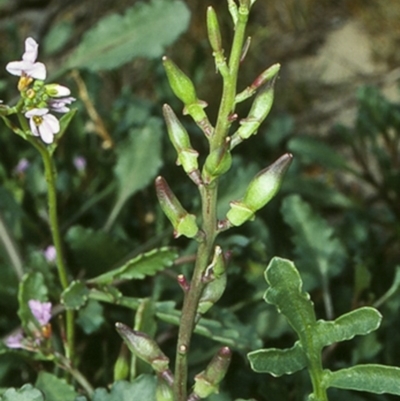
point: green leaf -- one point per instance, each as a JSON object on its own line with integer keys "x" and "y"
{"x": 75, "y": 296}
{"x": 32, "y": 286}
{"x": 376, "y": 379}
{"x": 143, "y": 31}
{"x": 145, "y": 264}
{"x": 91, "y": 317}
{"x": 285, "y": 292}
{"x": 278, "y": 362}
{"x": 319, "y": 252}
{"x": 54, "y": 388}
{"x": 26, "y": 393}
{"x": 357, "y": 322}
{"x": 312, "y": 150}
{"x": 95, "y": 251}
{"x": 143, "y": 388}
{"x": 139, "y": 159}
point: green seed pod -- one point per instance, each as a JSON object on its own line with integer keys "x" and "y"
{"x": 214, "y": 32}
{"x": 215, "y": 276}
{"x": 217, "y": 163}
{"x": 260, "y": 191}
{"x": 187, "y": 156}
{"x": 121, "y": 367}
{"x": 163, "y": 391}
{"x": 258, "y": 113}
{"x": 143, "y": 347}
{"x": 207, "y": 382}
{"x": 183, "y": 222}
{"x": 180, "y": 83}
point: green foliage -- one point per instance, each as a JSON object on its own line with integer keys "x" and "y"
{"x": 26, "y": 393}
{"x": 143, "y": 31}
{"x": 285, "y": 292}
{"x": 54, "y": 388}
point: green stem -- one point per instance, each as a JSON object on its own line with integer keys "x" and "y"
{"x": 51, "y": 176}
{"x": 192, "y": 297}
{"x": 209, "y": 200}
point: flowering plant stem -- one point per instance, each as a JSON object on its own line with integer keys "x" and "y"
{"x": 50, "y": 176}
{"x": 208, "y": 193}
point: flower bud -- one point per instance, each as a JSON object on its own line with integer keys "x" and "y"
{"x": 183, "y": 222}
{"x": 207, "y": 382}
{"x": 260, "y": 191}
{"x": 143, "y": 347}
{"x": 163, "y": 391}
{"x": 215, "y": 276}
{"x": 184, "y": 89}
{"x": 214, "y": 33}
{"x": 259, "y": 111}
{"x": 187, "y": 156}
{"x": 218, "y": 162}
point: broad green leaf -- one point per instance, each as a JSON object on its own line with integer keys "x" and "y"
{"x": 285, "y": 292}
{"x": 145, "y": 264}
{"x": 357, "y": 322}
{"x": 139, "y": 159}
{"x": 54, "y": 388}
{"x": 141, "y": 389}
{"x": 143, "y": 31}
{"x": 32, "y": 286}
{"x": 75, "y": 296}
{"x": 26, "y": 393}
{"x": 278, "y": 362}
{"x": 91, "y": 317}
{"x": 312, "y": 150}
{"x": 319, "y": 253}
{"x": 94, "y": 251}
{"x": 377, "y": 379}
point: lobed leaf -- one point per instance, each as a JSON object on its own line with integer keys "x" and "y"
{"x": 357, "y": 322}
{"x": 285, "y": 292}
{"x": 143, "y": 31}
{"x": 278, "y": 362}
{"x": 26, "y": 393}
{"x": 145, "y": 264}
{"x": 75, "y": 296}
{"x": 319, "y": 252}
{"x": 376, "y": 379}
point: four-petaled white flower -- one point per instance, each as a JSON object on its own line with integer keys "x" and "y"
{"x": 28, "y": 65}
{"x": 43, "y": 124}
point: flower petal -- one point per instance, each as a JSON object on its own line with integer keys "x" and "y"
{"x": 40, "y": 310}
{"x": 31, "y": 50}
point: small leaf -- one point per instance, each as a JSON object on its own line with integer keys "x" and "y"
{"x": 357, "y": 322}
{"x": 145, "y": 264}
{"x": 285, "y": 292}
{"x": 91, "y": 317}
{"x": 319, "y": 252}
{"x": 376, "y": 379}
{"x": 75, "y": 296}
{"x": 143, "y": 31}
{"x": 278, "y": 362}
{"x": 141, "y": 389}
{"x": 54, "y": 388}
{"x": 137, "y": 166}
{"x": 32, "y": 286}
{"x": 26, "y": 393}
{"x": 95, "y": 251}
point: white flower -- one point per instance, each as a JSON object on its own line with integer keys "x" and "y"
{"x": 28, "y": 65}
{"x": 43, "y": 124}
{"x": 56, "y": 90}
{"x": 60, "y": 105}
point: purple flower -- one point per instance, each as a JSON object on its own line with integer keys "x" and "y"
{"x": 41, "y": 311}
{"x": 28, "y": 65}
{"x": 79, "y": 163}
{"x": 60, "y": 105}
{"x": 22, "y": 166}
{"x": 50, "y": 253}
{"x": 43, "y": 124}
{"x": 15, "y": 340}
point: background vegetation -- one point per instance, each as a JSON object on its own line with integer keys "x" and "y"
{"x": 337, "y": 215}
